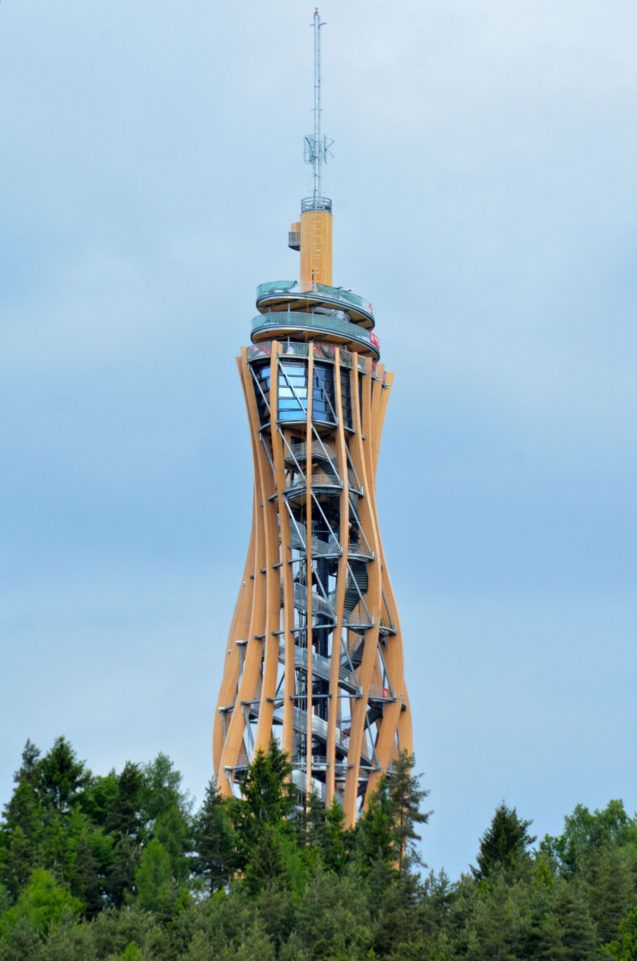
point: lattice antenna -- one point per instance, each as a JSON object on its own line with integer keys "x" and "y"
{"x": 317, "y": 146}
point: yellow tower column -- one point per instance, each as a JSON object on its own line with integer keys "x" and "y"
{"x": 316, "y": 249}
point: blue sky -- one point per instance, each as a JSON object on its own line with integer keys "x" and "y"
{"x": 483, "y": 188}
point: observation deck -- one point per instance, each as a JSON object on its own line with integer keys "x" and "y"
{"x": 286, "y": 294}
{"x": 320, "y": 312}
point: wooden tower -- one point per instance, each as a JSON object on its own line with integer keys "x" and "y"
{"x": 314, "y": 655}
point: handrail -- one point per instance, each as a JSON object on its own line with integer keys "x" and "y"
{"x": 300, "y": 781}
{"x": 316, "y": 203}
{"x": 319, "y": 479}
{"x": 298, "y": 449}
{"x": 332, "y": 294}
{"x": 322, "y": 666}
{"x": 346, "y": 297}
{"x": 321, "y": 323}
{"x": 319, "y": 730}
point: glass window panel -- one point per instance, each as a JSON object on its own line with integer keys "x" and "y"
{"x": 292, "y": 390}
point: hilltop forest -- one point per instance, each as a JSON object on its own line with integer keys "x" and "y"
{"x": 119, "y": 867}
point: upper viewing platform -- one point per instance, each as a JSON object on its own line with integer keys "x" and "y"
{"x": 287, "y": 295}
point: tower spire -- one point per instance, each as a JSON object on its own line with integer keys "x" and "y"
{"x": 312, "y": 235}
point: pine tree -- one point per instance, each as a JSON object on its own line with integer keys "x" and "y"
{"x": 504, "y": 843}
{"x": 214, "y": 842}
{"x": 59, "y": 777}
{"x": 374, "y": 838}
{"x": 406, "y": 797}
{"x": 268, "y": 798}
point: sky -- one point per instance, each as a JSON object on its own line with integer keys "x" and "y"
{"x": 484, "y": 200}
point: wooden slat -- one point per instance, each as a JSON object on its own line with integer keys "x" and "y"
{"x": 373, "y": 598}
{"x": 250, "y": 680}
{"x": 270, "y": 661}
{"x": 279, "y": 454}
{"x": 334, "y": 702}
{"x": 308, "y": 569}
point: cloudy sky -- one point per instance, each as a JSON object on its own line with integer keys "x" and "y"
{"x": 484, "y": 197}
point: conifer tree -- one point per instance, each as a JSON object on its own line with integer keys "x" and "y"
{"x": 156, "y": 890}
{"x": 267, "y": 797}
{"x": 267, "y": 848}
{"x": 406, "y": 797}
{"x": 59, "y": 777}
{"x": 504, "y": 843}
{"x": 215, "y": 857}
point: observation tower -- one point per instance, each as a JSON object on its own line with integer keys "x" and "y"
{"x": 314, "y": 655}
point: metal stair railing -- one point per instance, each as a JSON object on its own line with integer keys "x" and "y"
{"x": 320, "y": 548}
{"x": 319, "y": 730}
{"x": 318, "y": 451}
{"x": 299, "y": 780}
{"x": 319, "y": 604}
{"x": 319, "y": 479}
{"x": 355, "y": 587}
{"x": 321, "y": 666}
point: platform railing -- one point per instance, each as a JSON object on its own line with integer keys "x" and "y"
{"x": 333, "y": 294}
{"x": 321, "y": 323}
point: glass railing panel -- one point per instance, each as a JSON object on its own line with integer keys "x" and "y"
{"x": 275, "y": 287}
{"x": 333, "y": 294}
{"x": 319, "y": 322}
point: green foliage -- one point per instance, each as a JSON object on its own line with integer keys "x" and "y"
{"x": 625, "y": 948}
{"x": 156, "y": 890}
{"x": 268, "y": 797}
{"x": 585, "y": 833}
{"x": 160, "y": 791}
{"x": 132, "y": 953}
{"x": 386, "y": 832}
{"x": 333, "y": 919}
{"x": 22, "y": 825}
{"x": 214, "y": 841}
{"x": 266, "y": 848}
{"x": 114, "y": 930}
{"x": 609, "y": 886}
{"x": 374, "y": 838}
{"x": 504, "y": 844}
{"x": 173, "y": 830}
{"x": 44, "y": 827}
{"x": 41, "y": 906}
{"x": 251, "y": 943}
{"x": 59, "y": 777}
{"x": 397, "y": 924}
{"x": 117, "y": 868}
{"x": 89, "y": 832}
{"x": 406, "y": 797}
{"x": 323, "y": 831}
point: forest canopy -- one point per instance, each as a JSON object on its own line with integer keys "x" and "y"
{"x": 121, "y": 867}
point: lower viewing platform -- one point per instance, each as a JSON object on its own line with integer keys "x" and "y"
{"x": 331, "y": 325}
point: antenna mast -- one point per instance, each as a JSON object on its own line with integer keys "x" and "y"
{"x": 316, "y": 144}
{"x": 317, "y": 105}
